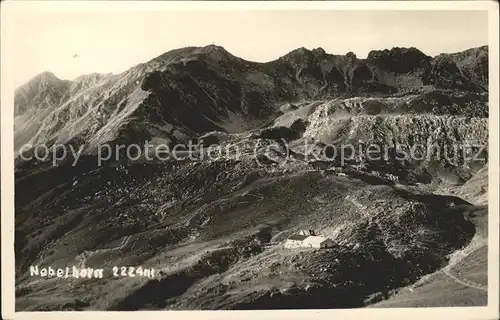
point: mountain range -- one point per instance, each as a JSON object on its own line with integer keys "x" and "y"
{"x": 186, "y": 92}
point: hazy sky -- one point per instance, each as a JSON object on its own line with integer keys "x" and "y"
{"x": 72, "y": 44}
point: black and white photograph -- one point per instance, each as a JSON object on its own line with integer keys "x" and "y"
{"x": 222, "y": 158}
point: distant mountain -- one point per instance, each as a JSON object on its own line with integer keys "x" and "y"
{"x": 186, "y": 92}
{"x": 43, "y": 91}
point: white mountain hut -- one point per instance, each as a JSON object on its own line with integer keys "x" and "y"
{"x": 308, "y": 239}
{"x": 295, "y": 241}
{"x": 318, "y": 242}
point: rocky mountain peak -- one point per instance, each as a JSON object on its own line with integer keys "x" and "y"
{"x": 213, "y": 48}
{"x": 44, "y": 87}
{"x": 399, "y": 60}
{"x": 45, "y": 78}
{"x": 298, "y": 54}
{"x": 319, "y": 52}
{"x": 351, "y": 56}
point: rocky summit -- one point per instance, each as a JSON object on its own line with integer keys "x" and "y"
{"x": 290, "y": 139}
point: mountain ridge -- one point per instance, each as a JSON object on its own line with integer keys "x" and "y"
{"x": 186, "y": 92}
{"x": 472, "y": 49}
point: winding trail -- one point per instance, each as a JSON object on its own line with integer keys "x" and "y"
{"x": 465, "y": 282}
{"x": 448, "y": 271}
